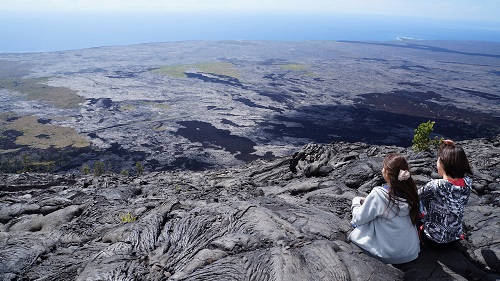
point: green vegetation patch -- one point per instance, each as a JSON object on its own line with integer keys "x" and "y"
{"x": 296, "y": 66}
{"x": 422, "y": 140}
{"x": 5, "y": 117}
{"x": 218, "y": 68}
{"x": 176, "y": 71}
{"x": 127, "y": 107}
{"x": 41, "y": 136}
{"x": 36, "y": 90}
{"x": 158, "y": 105}
{"x": 127, "y": 217}
{"x": 148, "y": 104}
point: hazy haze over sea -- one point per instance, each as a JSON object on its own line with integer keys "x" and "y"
{"x": 58, "y": 31}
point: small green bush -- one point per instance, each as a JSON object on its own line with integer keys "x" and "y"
{"x": 26, "y": 162}
{"x": 128, "y": 217}
{"x": 85, "y": 169}
{"x": 99, "y": 168}
{"x": 422, "y": 140}
{"x": 139, "y": 169}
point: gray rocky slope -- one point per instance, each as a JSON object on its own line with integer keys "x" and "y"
{"x": 281, "y": 219}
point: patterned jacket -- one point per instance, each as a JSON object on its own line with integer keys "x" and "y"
{"x": 442, "y": 207}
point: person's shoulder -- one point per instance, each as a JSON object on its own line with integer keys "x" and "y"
{"x": 436, "y": 182}
{"x": 378, "y": 194}
{"x": 383, "y": 189}
{"x": 380, "y": 191}
{"x": 468, "y": 181}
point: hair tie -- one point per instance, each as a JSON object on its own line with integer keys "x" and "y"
{"x": 403, "y": 175}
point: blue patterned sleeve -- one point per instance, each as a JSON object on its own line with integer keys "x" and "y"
{"x": 424, "y": 194}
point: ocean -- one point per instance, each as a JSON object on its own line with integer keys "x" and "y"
{"x": 41, "y": 32}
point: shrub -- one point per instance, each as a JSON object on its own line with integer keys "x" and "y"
{"x": 125, "y": 218}
{"x": 26, "y": 163}
{"x": 139, "y": 169}
{"x": 85, "y": 169}
{"x": 422, "y": 140}
{"x": 99, "y": 168}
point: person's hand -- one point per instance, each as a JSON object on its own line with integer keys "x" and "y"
{"x": 448, "y": 142}
{"x": 362, "y": 200}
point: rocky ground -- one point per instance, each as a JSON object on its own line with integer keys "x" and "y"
{"x": 280, "y": 219}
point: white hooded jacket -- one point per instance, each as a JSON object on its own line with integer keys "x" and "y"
{"x": 383, "y": 232}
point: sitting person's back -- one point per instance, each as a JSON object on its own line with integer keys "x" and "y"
{"x": 385, "y": 222}
{"x": 442, "y": 201}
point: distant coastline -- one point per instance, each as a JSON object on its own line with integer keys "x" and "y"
{"x": 408, "y": 38}
{"x": 23, "y": 33}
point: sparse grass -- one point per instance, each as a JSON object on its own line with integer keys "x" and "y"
{"x": 158, "y": 105}
{"x": 127, "y": 107}
{"x": 35, "y": 89}
{"x": 162, "y": 106}
{"x": 296, "y": 66}
{"x": 5, "y": 116}
{"x": 299, "y": 68}
{"x": 4, "y": 126}
{"x": 47, "y": 166}
{"x": 128, "y": 217}
{"x": 218, "y": 68}
{"x": 155, "y": 104}
{"x": 42, "y": 136}
{"x": 176, "y": 71}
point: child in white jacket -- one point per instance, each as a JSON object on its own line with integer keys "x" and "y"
{"x": 385, "y": 221}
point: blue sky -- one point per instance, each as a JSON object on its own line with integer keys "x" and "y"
{"x": 484, "y": 10}
{"x": 50, "y": 25}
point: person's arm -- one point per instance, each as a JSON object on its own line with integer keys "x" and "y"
{"x": 426, "y": 191}
{"x": 425, "y": 194}
{"x": 367, "y": 211}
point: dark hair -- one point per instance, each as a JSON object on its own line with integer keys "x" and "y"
{"x": 405, "y": 189}
{"x": 454, "y": 160}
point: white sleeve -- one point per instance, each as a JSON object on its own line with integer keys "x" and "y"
{"x": 372, "y": 207}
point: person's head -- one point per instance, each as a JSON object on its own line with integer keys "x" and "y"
{"x": 395, "y": 171}
{"x": 394, "y": 165}
{"x": 452, "y": 161}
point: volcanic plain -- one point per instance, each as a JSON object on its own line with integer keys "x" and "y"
{"x": 202, "y": 104}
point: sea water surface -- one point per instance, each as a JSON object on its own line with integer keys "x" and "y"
{"x": 40, "y": 32}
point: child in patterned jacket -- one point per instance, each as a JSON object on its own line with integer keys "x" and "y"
{"x": 442, "y": 201}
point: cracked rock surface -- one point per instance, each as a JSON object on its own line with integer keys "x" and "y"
{"x": 280, "y": 219}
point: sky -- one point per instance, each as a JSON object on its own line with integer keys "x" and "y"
{"x": 484, "y": 10}
{"x": 51, "y": 25}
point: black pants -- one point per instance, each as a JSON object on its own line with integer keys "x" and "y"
{"x": 428, "y": 243}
